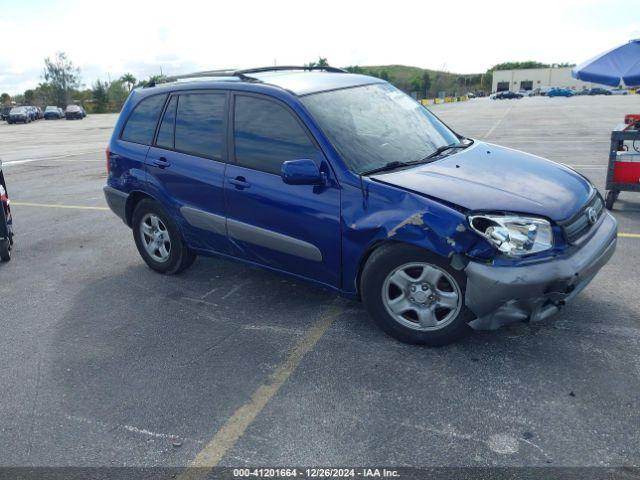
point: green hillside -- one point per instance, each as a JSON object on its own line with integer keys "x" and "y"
{"x": 425, "y": 82}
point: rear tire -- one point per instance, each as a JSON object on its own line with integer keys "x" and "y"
{"x": 5, "y": 250}
{"x": 610, "y": 199}
{"x": 158, "y": 239}
{"x": 433, "y": 314}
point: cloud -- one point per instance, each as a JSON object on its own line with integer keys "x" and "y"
{"x": 144, "y": 37}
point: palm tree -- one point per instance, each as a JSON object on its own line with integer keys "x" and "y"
{"x": 129, "y": 80}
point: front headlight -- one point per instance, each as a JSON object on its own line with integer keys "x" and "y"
{"x": 512, "y": 234}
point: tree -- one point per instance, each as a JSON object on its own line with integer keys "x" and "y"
{"x": 29, "y": 97}
{"x": 5, "y": 99}
{"x": 129, "y": 81}
{"x": 426, "y": 83}
{"x": 322, "y": 62}
{"x": 62, "y": 76}
{"x": 519, "y": 65}
{"x": 100, "y": 96}
{"x": 152, "y": 80}
{"x": 416, "y": 85}
{"x": 117, "y": 94}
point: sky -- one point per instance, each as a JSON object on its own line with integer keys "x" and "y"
{"x": 109, "y": 38}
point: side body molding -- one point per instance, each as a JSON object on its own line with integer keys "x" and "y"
{"x": 205, "y": 220}
{"x": 273, "y": 240}
{"x": 251, "y": 234}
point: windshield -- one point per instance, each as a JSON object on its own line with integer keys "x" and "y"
{"x": 374, "y": 125}
{"x": 51, "y": 109}
{"x": 18, "y": 110}
{"x": 73, "y": 108}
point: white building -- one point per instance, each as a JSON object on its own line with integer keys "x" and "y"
{"x": 532, "y": 78}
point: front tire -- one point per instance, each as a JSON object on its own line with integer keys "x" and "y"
{"x": 158, "y": 239}
{"x": 415, "y": 296}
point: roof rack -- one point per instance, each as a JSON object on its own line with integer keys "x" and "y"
{"x": 245, "y": 74}
{"x": 248, "y": 71}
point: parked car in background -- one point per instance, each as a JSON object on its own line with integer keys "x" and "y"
{"x": 4, "y": 113}
{"x": 84, "y": 113}
{"x": 507, "y": 95}
{"x": 599, "y": 91}
{"x": 40, "y": 113}
{"x": 347, "y": 182}
{"x": 584, "y": 91}
{"x": 74, "y": 112}
{"x": 33, "y": 114}
{"x": 526, "y": 93}
{"x": 560, "y": 92}
{"x": 619, "y": 91}
{"x": 19, "y": 115}
{"x": 53, "y": 113}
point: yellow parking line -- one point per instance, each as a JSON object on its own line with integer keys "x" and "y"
{"x": 83, "y": 207}
{"x": 229, "y": 434}
{"x": 55, "y": 205}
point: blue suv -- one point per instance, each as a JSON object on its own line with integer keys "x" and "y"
{"x": 345, "y": 181}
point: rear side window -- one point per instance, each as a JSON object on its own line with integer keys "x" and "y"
{"x": 267, "y": 134}
{"x": 142, "y": 122}
{"x": 200, "y": 124}
{"x": 165, "y": 133}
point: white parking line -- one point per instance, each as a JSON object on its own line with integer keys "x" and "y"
{"x": 44, "y": 159}
{"x": 495, "y": 125}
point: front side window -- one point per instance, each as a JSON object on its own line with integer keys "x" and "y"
{"x": 200, "y": 124}
{"x": 377, "y": 124}
{"x": 142, "y": 122}
{"x": 267, "y": 134}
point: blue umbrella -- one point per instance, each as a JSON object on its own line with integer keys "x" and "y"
{"x": 612, "y": 67}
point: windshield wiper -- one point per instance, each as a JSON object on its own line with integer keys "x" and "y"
{"x": 386, "y": 167}
{"x": 393, "y": 166}
{"x": 440, "y": 150}
{"x": 396, "y": 164}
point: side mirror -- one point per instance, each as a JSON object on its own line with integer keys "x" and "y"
{"x": 302, "y": 172}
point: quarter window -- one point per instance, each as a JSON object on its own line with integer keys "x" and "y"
{"x": 142, "y": 122}
{"x": 199, "y": 124}
{"x": 266, "y": 135}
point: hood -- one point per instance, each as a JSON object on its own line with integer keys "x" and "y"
{"x": 490, "y": 177}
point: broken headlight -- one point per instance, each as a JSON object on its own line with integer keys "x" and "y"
{"x": 513, "y": 234}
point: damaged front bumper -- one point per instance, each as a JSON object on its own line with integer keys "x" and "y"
{"x": 498, "y": 295}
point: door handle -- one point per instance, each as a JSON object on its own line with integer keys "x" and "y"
{"x": 240, "y": 183}
{"x": 161, "y": 162}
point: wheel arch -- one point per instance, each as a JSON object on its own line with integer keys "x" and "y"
{"x": 135, "y": 197}
{"x": 376, "y": 246}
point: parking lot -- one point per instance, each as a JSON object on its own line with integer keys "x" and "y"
{"x": 106, "y": 363}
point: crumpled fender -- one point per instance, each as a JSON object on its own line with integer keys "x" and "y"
{"x": 375, "y": 214}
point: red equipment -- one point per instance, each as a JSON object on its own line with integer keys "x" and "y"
{"x": 623, "y": 173}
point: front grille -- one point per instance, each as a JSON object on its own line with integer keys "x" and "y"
{"x": 580, "y": 224}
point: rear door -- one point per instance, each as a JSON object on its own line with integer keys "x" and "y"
{"x": 187, "y": 163}
{"x": 295, "y": 228}
{"x": 129, "y": 150}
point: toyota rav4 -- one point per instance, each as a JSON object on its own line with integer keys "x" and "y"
{"x": 345, "y": 181}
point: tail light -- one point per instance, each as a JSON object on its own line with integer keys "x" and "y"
{"x": 108, "y": 153}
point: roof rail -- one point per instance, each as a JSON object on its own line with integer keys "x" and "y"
{"x": 245, "y": 74}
